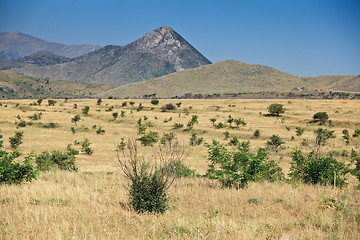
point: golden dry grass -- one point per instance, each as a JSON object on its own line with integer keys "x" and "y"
{"x": 92, "y": 203}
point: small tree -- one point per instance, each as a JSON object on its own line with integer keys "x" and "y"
{"x": 154, "y": 102}
{"x": 257, "y": 133}
{"x": 239, "y": 121}
{"x": 85, "y": 147}
{"x": 39, "y": 101}
{"x": 321, "y": 117}
{"x": 346, "y": 136}
{"x": 115, "y": 115}
{"x": 51, "y": 102}
{"x": 299, "y": 131}
{"x": 85, "y": 110}
{"x": 276, "y": 109}
{"x": 75, "y": 119}
{"x": 99, "y": 101}
{"x": 275, "y": 142}
{"x": 12, "y": 171}
{"x": 16, "y": 140}
{"x": 322, "y": 135}
{"x": 213, "y": 120}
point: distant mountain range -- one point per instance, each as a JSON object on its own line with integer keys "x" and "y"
{"x": 161, "y": 64}
{"x": 159, "y": 52}
{"x": 16, "y": 45}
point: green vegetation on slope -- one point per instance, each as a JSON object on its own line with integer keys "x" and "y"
{"x": 18, "y": 86}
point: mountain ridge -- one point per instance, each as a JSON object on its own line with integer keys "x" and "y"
{"x": 16, "y": 45}
{"x": 159, "y": 52}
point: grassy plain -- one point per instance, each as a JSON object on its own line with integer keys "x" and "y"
{"x": 92, "y": 203}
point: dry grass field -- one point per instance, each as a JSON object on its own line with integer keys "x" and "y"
{"x": 92, "y": 203}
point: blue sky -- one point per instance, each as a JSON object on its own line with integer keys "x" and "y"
{"x": 302, "y": 37}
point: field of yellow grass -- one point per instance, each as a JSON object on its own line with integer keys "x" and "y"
{"x": 92, "y": 203}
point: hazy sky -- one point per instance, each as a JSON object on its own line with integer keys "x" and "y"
{"x": 303, "y": 37}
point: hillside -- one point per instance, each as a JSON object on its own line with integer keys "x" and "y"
{"x": 15, "y": 45}
{"x": 159, "y": 52}
{"x": 229, "y": 77}
{"x": 44, "y": 58}
{"x": 14, "y": 86}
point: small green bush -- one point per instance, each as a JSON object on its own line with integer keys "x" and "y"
{"x": 275, "y": 142}
{"x": 86, "y": 110}
{"x": 257, "y": 133}
{"x": 51, "y": 102}
{"x": 85, "y": 147}
{"x": 168, "y": 107}
{"x": 154, "y": 102}
{"x": 356, "y": 133}
{"x": 12, "y": 171}
{"x": 236, "y": 169}
{"x": 148, "y": 139}
{"x": 178, "y": 125}
{"x": 16, "y": 140}
{"x": 62, "y": 160}
{"x": 314, "y": 169}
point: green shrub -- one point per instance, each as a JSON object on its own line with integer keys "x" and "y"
{"x": 16, "y": 140}
{"x": 167, "y": 138}
{"x": 226, "y": 135}
{"x": 99, "y": 101}
{"x": 299, "y": 131}
{"x": 85, "y": 147}
{"x": 100, "y": 131}
{"x": 35, "y": 116}
{"x": 39, "y": 101}
{"x": 346, "y": 136}
{"x": 154, "y": 102}
{"x": 75, "y": 119}
{"x": 51, "y": 102}
{"x": 276, "y": 109}
{"x": 12, "y": 171}
{"x": 317, "y": 169}
{"x": 219, "y": 125}
{"x": 115, "y": 115}
{"x": 148, "y": 139}
{"x": 178, "y": 125}
{"x": 275, "y": 142}
{"x": 356, "y": 133}
{"x": 168, "y": 107}
{"x": 149, "y": 181}
{"x": 86, "y": 110}
{"x": 194, "y": 140}
{"x": 213, "y": 120}
{"x": 236, "y": 169}
{"x": 123, "y": 104}
{"x": 62, "y": 160}
{"x": 321, "y": 117}
{"x": 257, "y": 133}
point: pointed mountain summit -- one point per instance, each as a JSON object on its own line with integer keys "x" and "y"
{"x": 159, "y": 52}
{"x": 174, "y": 48}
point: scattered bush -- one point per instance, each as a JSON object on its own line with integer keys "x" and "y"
{"x": 1, "y": 141}
{"x": 124, "y": 104}
{"x": 51, "y": 102}
{"x": 322, "y": 135}
{"x": 35, "y": 116}
{"x": 148, "y": 139}
{"x": 178, "y": 125}
{"x": 226, "y": 135}
{"x": 178, "y": 104}
{"x": 16, "y": 140}
{"x": 346, "y": 136}
{"x": 167, "y": 138}
{"x": 194, "y": 140}
{"x": 213, "y": 120}
{"x": 115, "y": 115}
{"x": 85, "y": 147}
{"x": 275, "y": 142}
{"x": 317, "y": 169}
{"x": 149, "y": 181}
{"x": 100, "y": 131}
{"x": 75, "y": 119}
{"x": 12, "y": 171}
{"x": 356, "y": 133}
{"x": 299, "y": 131}
{"x": 99, "y": 101}
{"x": 85, "y": 110}
{"x": 321, "y": 117}
{"x": 219, "y": 125}
{"x": 276, "y": 109}
{"x": 168, "y": 107}
{"x": 39, "y": 101}
{"x": 57, "y": 159}
{"x": 257, "y": 133}
{"x": 236, "y": 169}
{"x": 154, "y": 102}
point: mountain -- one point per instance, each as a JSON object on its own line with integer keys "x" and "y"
{"x": 18, "y": 86}
{"x": 159, "y": 52}
{"x": 15, "y": 45}
{"x": 229, "y": 77}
